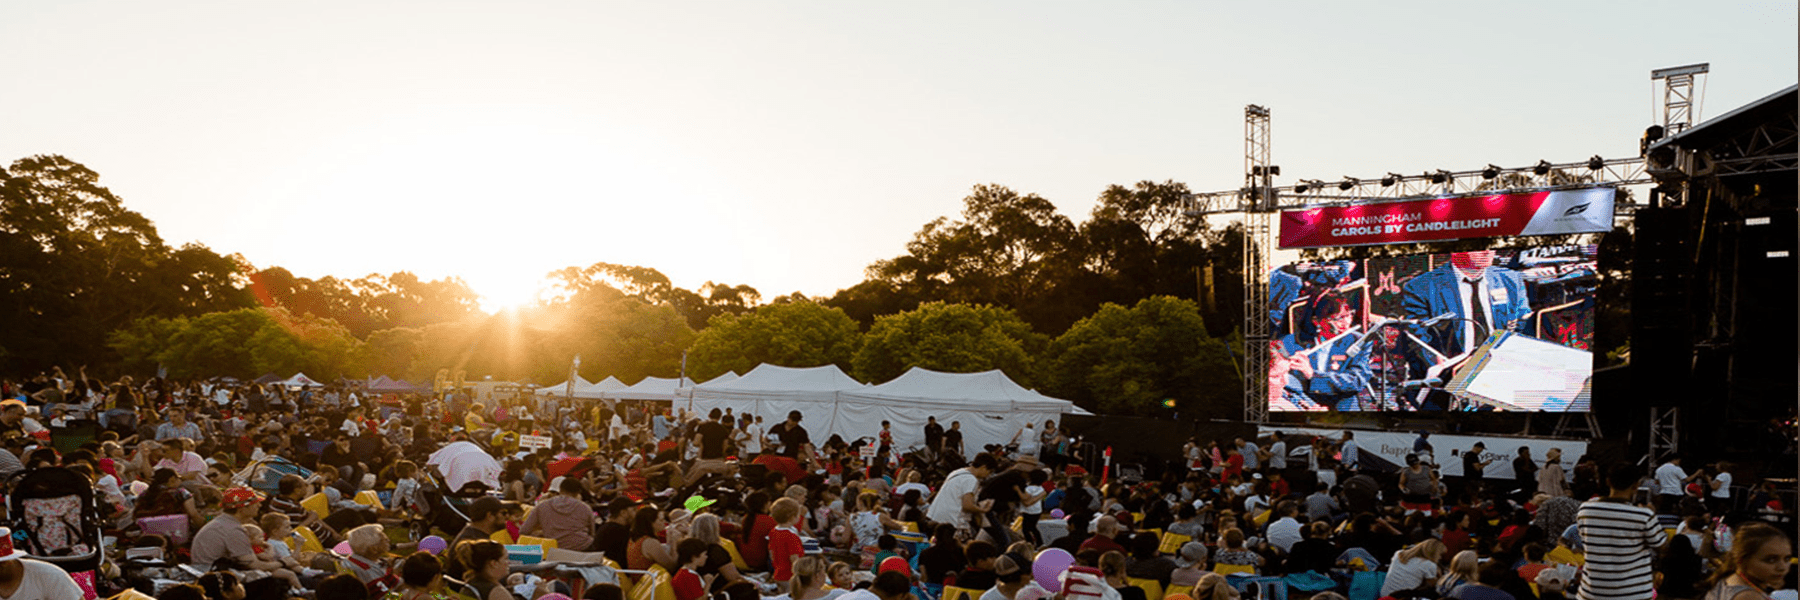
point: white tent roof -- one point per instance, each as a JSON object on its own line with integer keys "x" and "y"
{"x": 583, "y": 388}
{"x": 987, "y": 390}
{"x": 651, "y": 388}
{"x": 299, "y": 379}
{"x": 728, "y": 376}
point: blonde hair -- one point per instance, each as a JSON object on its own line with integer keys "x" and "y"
{"x": 252, "y": 531}
{"x": 786, "y": 510}
{"x": 1213, "y": 586}
{"x": 365, "y": 537}
{"x": 1465, "y": 566}
{"x": 705, "y": 528}
{"x": 1431, "y": 549}
{"x": 809, "y": 571}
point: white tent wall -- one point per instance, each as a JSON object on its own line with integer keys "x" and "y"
{"x": 858, "y": 418}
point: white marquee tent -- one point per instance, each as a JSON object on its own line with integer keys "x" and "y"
{"x": 990, "y": 406}
{"x": 583, "y": 388}
{"x": 651, "y": 388}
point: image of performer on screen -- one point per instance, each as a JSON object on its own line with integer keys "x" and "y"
{"x": 1480, "y": 297}
{"x": 1327, "y": 369}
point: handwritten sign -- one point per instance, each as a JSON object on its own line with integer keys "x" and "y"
{"x": 535, "y": 441}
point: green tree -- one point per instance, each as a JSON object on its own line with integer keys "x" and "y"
{"x": 1128, "y": 360}
{"x": 954, "y": 338}
{"x": 792, "y": 334}
{"x": 75, "y": 264}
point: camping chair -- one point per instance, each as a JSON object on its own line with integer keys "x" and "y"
{"x": 1172, "y": 542}
{"x": 737, "y": 559}
{"x": 1153, "y": 589}
{"x": 1224, "y": 569}
{"x": 952, "y": 592}
{"x": 1185, "y": 590}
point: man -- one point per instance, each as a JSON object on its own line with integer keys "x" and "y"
{"x": 1423, "y": 449}
{"x": 563, "y": 516}
{"x": 614, "y": 536}
{"x": 1284, "y": 531}
{"x": 486, "y": 516}
{"x": 934, "y": 434}
{"x": 188, "y": 465}
{"x": 1325, "y": 369}
{"x": 1621, "y": 540}
{"x": 953, "y": 439}
{"x": 339, "y": 455}
{"x": 1007, "y": 490}
{"x": 1524, "y": 474}
{"x": 1481, "y": 297}
{"x": 1671, "y": 483}
{"x": 1347, "y": 452}
{"x": 1105, "y": 530}
{"x": 223, "y": 539}
{"x": 955, "y": 502}
{"x": 713, "y": 435}
{"x": 749, "y": 439}
{"x": 1277, "y": 454}
{"x": 1474, "y": 467}
{"x": 12, "y": 420}
{"x": 28, "y": 579}
{"x": 794, "y": 440}
{"x": 1251, "y": 453}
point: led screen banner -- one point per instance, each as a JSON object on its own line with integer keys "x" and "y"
{"x": 1537, "y": 213}
{"x": 1507, "y": 330}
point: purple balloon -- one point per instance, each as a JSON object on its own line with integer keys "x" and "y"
{"x": 1056, "y": 513}
{"x": 1047, "y": 568}
{"x": 432, "y": 544}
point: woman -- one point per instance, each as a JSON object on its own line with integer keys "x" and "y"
{"x": 222, "y": 585}
{"x": 1756, "y": 565}
{"x": 1464, "y": 569}
{"x": 486, "y": 564}
{"x": 718, "y": 565}
{"x": 756, "y": 527}
{"x": 369, "y": 546}
{"x": 943, "y": 557}
{"x": 1112, "y": 565}
{"x": 1550, "y": 479}
{"x": 1418, "y": 486}
{"x": 165, "y": 496}
{"x": 868, "y": 524}
{"x": 1414, "y": 567}
{"x": 645, "y": 550}
{"x": 1214, "y": 587}
{"x": 810, "y": 578}
{"x": 1234, "y": 552}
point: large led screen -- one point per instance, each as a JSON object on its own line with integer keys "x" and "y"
{"x": 1508, "y": 330}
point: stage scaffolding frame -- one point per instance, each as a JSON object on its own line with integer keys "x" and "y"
{"x": 1259, "y": 200}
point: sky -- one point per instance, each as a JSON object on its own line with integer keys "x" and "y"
{"x": 788, "y": 145}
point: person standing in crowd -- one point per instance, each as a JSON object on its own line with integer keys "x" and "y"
{"x": 1551, "y": 480}
{"x": 1718, "y": 493}
{"x": 1474, "y": 468}
{"x": 1524, "y": 475}
{"x": 794, "y": 439}
{"x": 1621, "y": 541}
{"x": 1347, "y": 452}
{"x": 956, "y": 504}
{"x": 934, "y": 435}
{"x": 953, "y": 440}
{"x": 1278, "y": 458}
{"x": 1670, "y": 483}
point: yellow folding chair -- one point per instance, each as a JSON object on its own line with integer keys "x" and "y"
{"x": 655, "y": 585}
{"x": 503, "y": 536}
{"x": 737, "y": 559}
{"x": 532, "y": 540}
{"x": 1172, "y": 542}
{"x": 309, "y": 541}
{"x": 1185, "y": 590}
{"x": 1224, "y": 569}
{"x": 368, "y": 498}
{"x": 958, "y": 593}
{"x": 317, "y": 504}
{"x": 909, "y": 527}
{"x": 1153, "y": 589}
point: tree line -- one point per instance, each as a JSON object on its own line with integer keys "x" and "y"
{"x": 1135, "y": 306}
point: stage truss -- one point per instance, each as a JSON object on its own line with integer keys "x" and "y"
{"x": 1259, "y": 200}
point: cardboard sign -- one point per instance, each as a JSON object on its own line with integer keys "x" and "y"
{"x": 535, "y": 441}
{"x": 866, "y": 452}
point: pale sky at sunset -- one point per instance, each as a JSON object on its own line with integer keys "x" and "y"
{"x": 787, "y": 145}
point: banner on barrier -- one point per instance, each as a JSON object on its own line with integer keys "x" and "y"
{"x": 1536, "y": 213}
{"x": 1386, "y": 451}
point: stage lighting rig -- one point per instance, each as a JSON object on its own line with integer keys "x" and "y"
{"x": 1596, "y": 163}
{"x": 1542, "y": 168}
{"x": 1390, "y": 180}
{"x": 1490, "y": 172}
{"x": 1348, "y": 182}
{"x": 1438, "y": 176}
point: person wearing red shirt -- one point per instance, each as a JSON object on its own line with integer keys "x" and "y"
{"x": 1234, "y": 465}
{"x": 784, "y": 541}
{"x": 691, "y": 554}
{"x": 1105, "y": 530}
{"x": 757, "y": 524}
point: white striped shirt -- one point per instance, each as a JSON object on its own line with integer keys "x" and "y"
{"x": 1621, "y": 541}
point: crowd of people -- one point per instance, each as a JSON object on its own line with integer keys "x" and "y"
{"x": 724, "y": 506}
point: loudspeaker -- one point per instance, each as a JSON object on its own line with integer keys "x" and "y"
{"x": 1662, "y": 332}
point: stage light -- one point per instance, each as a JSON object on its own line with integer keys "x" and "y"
{"x": 1348, "y": 182}
{"x": 1490, "y": 172}
{"x": 1596, "y": 163}
{"x": 1542, "y": 168}
{"x": 1300, "y": 187}
{"x": 1390, "y": 180}
{"x": 1438, "y": 176}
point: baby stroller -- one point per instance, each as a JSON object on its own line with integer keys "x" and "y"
{"x": 55, "y": 519}
{"x": 265, "y": 475}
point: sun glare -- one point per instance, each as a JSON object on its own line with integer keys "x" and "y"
{"x": 504, "y": 291}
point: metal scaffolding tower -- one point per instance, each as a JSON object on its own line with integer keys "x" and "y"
{"x": 1253, "y": 202}
{"x": 1679, "y": 107}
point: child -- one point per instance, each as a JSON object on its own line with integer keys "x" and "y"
{"x": 261, "y": 547}
{"x": 784, "y": 541}
{"x": 691, "y": 555}
{"x": 887, "y": 545}
{"x": 405, "y": 499}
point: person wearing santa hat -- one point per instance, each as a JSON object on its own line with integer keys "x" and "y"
{"x": 28, "y": 579}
